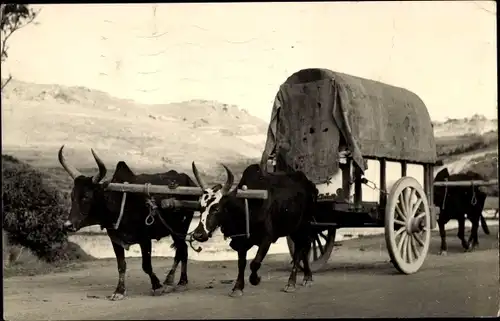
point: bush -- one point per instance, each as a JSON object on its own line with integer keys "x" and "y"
{"x": 33, "y": 213}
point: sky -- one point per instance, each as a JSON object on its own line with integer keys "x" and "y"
{"x": 240, "y": 53}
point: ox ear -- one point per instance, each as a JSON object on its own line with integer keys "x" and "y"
{"x": 123, "y": 173}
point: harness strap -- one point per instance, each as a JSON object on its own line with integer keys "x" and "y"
{"x": 445, "y": 194}
{"x": 122, "y": 207}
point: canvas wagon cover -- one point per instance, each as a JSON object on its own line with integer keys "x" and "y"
{"x": 316, "y": 110}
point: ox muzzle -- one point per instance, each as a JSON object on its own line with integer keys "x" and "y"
{"x": 200, "y": 235}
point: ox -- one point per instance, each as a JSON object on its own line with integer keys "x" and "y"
{"x": 286, "y": 212}
{"x": 92, "y": 205}
{"x": 457, "y": 201}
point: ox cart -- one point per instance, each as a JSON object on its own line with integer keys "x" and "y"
{"x": 346, "y": 134}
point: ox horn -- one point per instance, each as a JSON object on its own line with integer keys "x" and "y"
{"x": 102, "y": 168}
{"x": 72, "y": 171}
{"x": 229, "y": 183}
{"x": 200, "y": 181}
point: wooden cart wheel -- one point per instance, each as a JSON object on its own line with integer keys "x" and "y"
{"x": 407, "y": 225}
{"x": 321, "y": 249}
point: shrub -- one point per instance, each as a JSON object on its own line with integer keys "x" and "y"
{"x": 33, "y": 213}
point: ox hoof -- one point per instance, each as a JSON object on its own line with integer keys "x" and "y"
{"x": 472, "y": 248}
{"x": 443, "y": 253}
{"x": 254, "y": 279}
{"x": 157, "y": 292}
{"x": 307, "y": 283}
{"x": 169, "y": 280}
{"x": 117, "y": 297}
{"x": 181, "y": 288}
{"x": 236, "y": 293}
{"x": 168, "y": 289}
{"x": 289, "y": 288}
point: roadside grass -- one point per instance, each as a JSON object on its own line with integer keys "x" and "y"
{"x": 28, "y": 264}
{"x": 454, "y": 146}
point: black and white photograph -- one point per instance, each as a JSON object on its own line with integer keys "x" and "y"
{"x": 249, "y": 160}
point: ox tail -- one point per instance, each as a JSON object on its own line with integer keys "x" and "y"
{"x": 484, "y": 225}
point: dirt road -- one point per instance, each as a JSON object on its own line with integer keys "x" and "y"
{"x": 358, "y": 282}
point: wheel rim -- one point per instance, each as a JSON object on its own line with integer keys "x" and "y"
{"x": 321, "y": 249}
{"x": 407, "y": 228}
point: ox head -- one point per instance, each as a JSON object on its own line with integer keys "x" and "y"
{"x": 211, "y": 202}
{"x": 83, "y": 194}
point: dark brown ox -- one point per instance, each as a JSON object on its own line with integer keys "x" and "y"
{"x": 91, "y": 204}
{"x": 455, "y": 202}
{"x": 286, "y": 212}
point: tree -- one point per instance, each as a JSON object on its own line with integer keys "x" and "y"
{"x": 12, "y": 18}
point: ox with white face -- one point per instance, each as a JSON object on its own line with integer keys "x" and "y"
{"x": 209, "y": 203}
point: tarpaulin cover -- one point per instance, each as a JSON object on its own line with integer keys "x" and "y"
{"x": 316, "y": 111}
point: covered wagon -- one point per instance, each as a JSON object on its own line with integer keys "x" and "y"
{"x": 369, "y": 147}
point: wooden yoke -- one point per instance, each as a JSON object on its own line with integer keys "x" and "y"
{"x": 180, "y": 190}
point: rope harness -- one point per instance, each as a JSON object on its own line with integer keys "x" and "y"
{"x": 153, "y": 213}
{"x": 474, "y": 199}
{"x": 445, "y": 194}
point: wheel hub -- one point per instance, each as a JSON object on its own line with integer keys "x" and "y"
{"x": 415, "y": 225}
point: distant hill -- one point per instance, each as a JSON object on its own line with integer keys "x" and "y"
{"x": 476, "y": 124}
{"x": 38, "y": 119}
{"x": 469, "y": 144}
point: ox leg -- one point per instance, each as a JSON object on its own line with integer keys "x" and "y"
{"x": 169, "y": 280}
{"x": 257, "y": 261}
{"x": 461, "y": 231}
{"x": 442, "y": 232}
{"x": 148, "y": 268}
{"x": 122, "y": 268}
{"x": 473, "y": 239}
{"x": 297, "y": 256}
{"x": 308, "y": 279}
{"x": 181, "y": 255}
{"x": 239, "y": 285}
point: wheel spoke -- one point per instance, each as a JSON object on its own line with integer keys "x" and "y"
{"x": 399, "y": 222}
{"x": 321, "y": 250}
{"x": 409, "y": 199}
{"x": 406, "y": 196}
{"x": 418, "y": 239}
{"x": 414, "y": 247}
{"x": 420, "y": 215}
{"x": 416, "y": 206}
{"x": 401, "y": 230}
{"x": 323, "y": 236}
{"x": 401, "y": 241}
{"x": 409, "y": 250}
{"x": 402, "y": 202}
{"x": 405, "y": 248}
{"x": 400, "y": 212}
